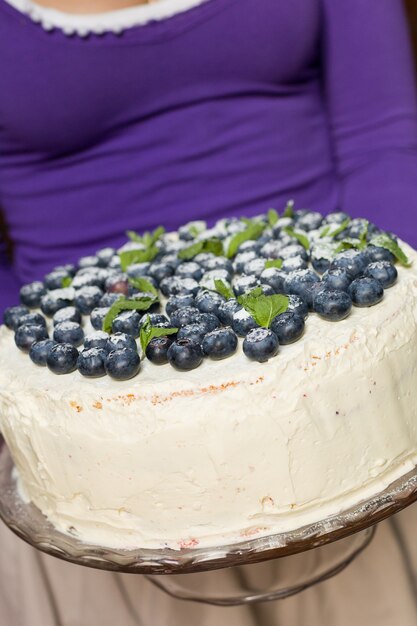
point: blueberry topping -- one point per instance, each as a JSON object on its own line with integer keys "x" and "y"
{"x": 67, "y": 314}
{"x": 32, "y": 319}
{"x": 288, "y": 327}
{"x": 226, "y": 310}
{"x": 178, "y": 302}
{"x": 189, "y": 270}
{"x": 297, "y": 305}
{"x": 117, "y": 284}
{"x": 294, "y": 263}
{"x": 337, "y": 279}
{"x": 108, "y": 299}
{"x": 243, "y": 284}
{"x": 69, "y": 332}
{"x": 243, "y": 322}
{"x": 27, "y": 334}
{"x": 185, "y": 354}
{"x": 184, "y": 315}
{"x": 220, "y": 343}
{"x": 366, "y": 291}
{"x": 116, "y": 341}
{"x": 375, "y": 253}
{"x": 87, "y": 299}
{"x": 30, "y": 295}
{"x": 88, "y": 261}
{"x": 91, "y": 362}
{"x": 127, "y": 322}
{"x": 175, "y": 286}
{"x": 209, "y": 302}
{"x": 260, "y": 344}
{"x": 157, "y": 350}
{"x": 62, "y": 359}
{"x": 53, "y": 301}
{"x": 383, "y": 271}
{"x": 159, "y": 271}
{"x": 13, "y": 315}
{"x": 195, "y": 331}
{"x": 332, "y": 305}
{"x": 275, "y": 278}
{"x": 122, "y": 364}
{"x": 293, "y": 250}
{"x": 40, "y": 350}
{"x": 54, "y": 279}
{"x": 97, "y": 317}
{"x": 98, "y": 339}
{"x": 351, "y": 261}
{"x": 208, "y": 320}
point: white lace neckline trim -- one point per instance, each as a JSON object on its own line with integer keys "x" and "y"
{"x": 99, "y": 23}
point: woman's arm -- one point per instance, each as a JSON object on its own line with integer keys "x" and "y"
{"x": 371, "y": 97}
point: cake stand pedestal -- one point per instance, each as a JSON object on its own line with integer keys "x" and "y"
{"x": 322, "y": 549}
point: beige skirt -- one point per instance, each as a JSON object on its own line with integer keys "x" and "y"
{"x": 378, "y": 589}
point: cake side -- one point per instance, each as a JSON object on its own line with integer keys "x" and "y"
{"x": 234, "y": 448}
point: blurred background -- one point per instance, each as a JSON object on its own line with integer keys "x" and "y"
{"x": 412, "y": 12}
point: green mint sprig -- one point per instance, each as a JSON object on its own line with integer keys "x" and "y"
{"x": 299, "y": 235}
{"x": 253, "y": 230}
{"x": 289, "y": 209}
{"x": 129, "y": 257}
{"x": 272, "y": 217}
{"x": 66, "y": 282}
{"x": 144, "y": 285}
{"x": 263, "y": 308}
{"x": 223, "y": 289}
{"x": 213, "y": 245}
{"x": 149, "y": 332}
{"x": 148, "y": 239}
{"x": 385, "y": 241}
{"x": 139, "y": 303}
{"x": 328, "y": 231}
{"x": 273, "y": 263}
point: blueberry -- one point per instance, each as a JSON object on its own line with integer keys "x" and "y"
{"x": 27, "y": 334}
{"x": 226, "y": 310}
{"x": 157, "y": 350}
{"x": 185, "y": 354}
{"x": 127, "y": 322}
{"x": 249, "y": 246}
{"x": 117, "y": 283}
{"x": 32, "y": 319}
{"x": 69, "y": 332}
{"x": 91, "y": 362}
{"x": 88, "y": 261}
{"x": 254, "y": 268}
{"x": 366, "y": 291}
{"x": 300, "y": 283}
{"x": 336, "y": 218}
{"x": 175, "y": 286}
{"x": 13, "y": 315}
{"x": 67, "y": 314}
{"x": 117, "y": 341}
{"x": 69, "y": 268}
{"x": 52, "y": 301}
{"x": 30, "y": 295}
{"x": 195, "y": 332}
{"x": 139, "y": 270}
{"x": 288, "y": 327}
{"x": 208, "y": 302}
{"x": 189, "y": 270}
{"x": 220, "y": 343}
{"x": 97, "y": 339}
{"x": 297, "y": 305}
{"x": 310, "y": 221}
{"x": 54, "y": 279}
{"x": 208, "y": 279}
{"x": 243, "y": 284}
{"x": 274, "y": 277}
{"x": 332, "y": 305}
{"x": 242, "y": 259}
{"x": 97, "y": 317}
{"x": 294, "y": 263}
{"x": 219, "y": 263}
{"x": 209, "y": 320}
{"x": 320, "y": 265}
{"x": 337, "y": 279}
{"x": 178, "y": 302}
{"x": 108, "y": 299}
{"x": 243, "y": 322}
{"x": 62, "y": 358}
{"x": 105, "y": 256}
{"x": 184, "y": 315}
{"x": 383, "y": 271}
{"x": 352, "y": 261}
{"x": 87, "y": 279}
{"x": 260, "y": 344}
{"x": 160, "y": 270}
{"x": 40, "y": 349}
{"x": 122, "y": 364}
{"x": 271, "y": 250}
{"x": 293, "y": 250}
{"x": 87, "y": 299}
{"x": 375, "y": 253}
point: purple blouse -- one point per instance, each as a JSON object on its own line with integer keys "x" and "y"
{"x": 231, "y": 107}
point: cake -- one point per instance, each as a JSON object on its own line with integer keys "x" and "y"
{"x": 204, "y": 450}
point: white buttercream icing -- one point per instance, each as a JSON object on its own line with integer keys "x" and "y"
{"x": 232, "y": 449}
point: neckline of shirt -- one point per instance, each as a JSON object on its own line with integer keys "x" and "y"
{"x": 99, "y": 23}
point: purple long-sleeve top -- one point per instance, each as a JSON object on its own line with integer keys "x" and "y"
{"x": 231, "y": 107}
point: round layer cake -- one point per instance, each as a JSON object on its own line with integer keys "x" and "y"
{"x": 224, "y": 449}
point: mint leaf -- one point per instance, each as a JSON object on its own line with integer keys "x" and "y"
{"x": 289, "y": 209}
{"x": 213, "y": 245}
{"x": 140, "y": 303}
{"x": 273, "y": 263}
{"x": 385, "y": 241}
{"x": 330, "y": 231}
{"x": 129, "y": 257}
{"x": 347, "y": 243}
{"x": 263, "y": 308}
{"x": 253, "y": 231}
{"x": 143, "y": 285}
{"x": 149, "y": 332}
{"x": 223, "y": 289}
{"x": 148, "y": 239}
{"x": 364, "y": 235}
{"x": 273, "y": 217}
{"x": 66, "y": 282}
{"x": 300, "y": 236}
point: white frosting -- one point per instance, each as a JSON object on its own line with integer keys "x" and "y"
{"x": 229, "y": 450}
{"x": 109, "y": 21}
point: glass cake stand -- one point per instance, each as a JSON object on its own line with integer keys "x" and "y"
{"x": 260, "y": 569}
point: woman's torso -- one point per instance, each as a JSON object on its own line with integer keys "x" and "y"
{"x": 215, "y": 111}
